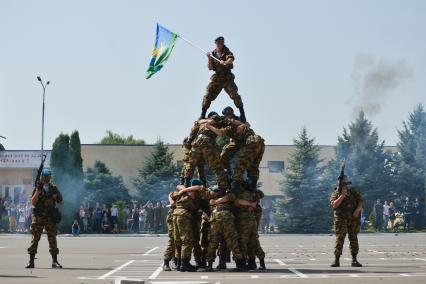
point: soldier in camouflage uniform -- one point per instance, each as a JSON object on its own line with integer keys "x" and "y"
{"x": 169, "y": 253}
{"x": 250, "y": 146}
{"x": 187, "y": 168}
{"x": 187, "y": 204}
{"x": 44, "y": 198}
{"x": 204, "y": 149}
{"x": 246, "y": 204}
{"x": 222, "y": 78}
{"x": 347, "y": 205}
{"x": 222, "y": 225}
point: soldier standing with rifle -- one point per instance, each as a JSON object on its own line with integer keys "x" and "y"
{"x": 347, "y": 203}
{"x": 45, "y": 215}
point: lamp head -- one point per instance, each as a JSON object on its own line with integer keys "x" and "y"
{"x": 48, "y": 82}
{"x": 38, "y": 78}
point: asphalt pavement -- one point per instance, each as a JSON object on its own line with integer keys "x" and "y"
{"x": 289, "y": 259}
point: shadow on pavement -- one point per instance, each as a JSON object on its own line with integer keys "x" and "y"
{"x": 337, "y": 271}
{"x": 19, "y": 276}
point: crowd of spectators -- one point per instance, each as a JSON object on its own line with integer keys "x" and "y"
{"x": 136, "y": 218}
{"x": 388, "y": 216}
{"x": 17, "y": 214}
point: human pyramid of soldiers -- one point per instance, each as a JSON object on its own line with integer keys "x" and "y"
{"x": 219, "y": 220}
{"x": 225, "y": 218}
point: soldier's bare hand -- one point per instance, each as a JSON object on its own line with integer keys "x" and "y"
{"x": 357, "y": 213}
{"x": 344, "y": 191}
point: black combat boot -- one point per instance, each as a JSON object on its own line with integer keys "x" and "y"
{"x": 355, "y": 262}
{"x": 251, "y": 264}
{"x": 242, "y": 114}
{"x": 186, "y": 266}
{"x": 222, "y": 263}
{"x": 241, "y": 266}
{"x": 203, "y": 113}
{"x": 336, "y": 262}
{"x": 178, "y": 264}
{"x": 166, "y": 266}
{"x": 199, "y": 263}
{"x": 55, "y": 263}
{"x": 31, "y": 262}
{"x": 253, "y": 185}
{"x": 209, "y": 267}
{"x": 235, "y": 186}
{"x": 262, "y": 266}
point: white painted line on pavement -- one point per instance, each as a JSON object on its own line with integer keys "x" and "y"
{"x": 151, "y": 250}
{"x": 279, "y": 261}
{"x": 204, "y": 277}
{"x": 353, "y": 275}
{"x": 298, "y": 273}
{"x": 156, "y": 272}
{"x": 404, "y": 274}
{"x": 347, "y": 258}
{"x": 422, "y": 259}
{"x": 254, "y": 276}
{"x": 115, "y": 270}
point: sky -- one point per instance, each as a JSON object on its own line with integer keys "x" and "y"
{"x": 297, "y": 63}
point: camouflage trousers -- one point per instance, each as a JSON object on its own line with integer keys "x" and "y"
{"x": 36, "y": 229}
{"x": 216, "y": 85}
{"x": 183, "y": 236}
{"x": 169, "y": 253}
{"x": 249, "y": 237}
{"x": 228, "y": 152}
{"x": 343, "y": 226}
{"x": 207, "y": 152}
{"x": 187, "y": 168}
{"x": 196, "y": 229}
{"x": 205, "y": 228}
{"x": 250, "y": 157}
{"x": 222, "y": 226}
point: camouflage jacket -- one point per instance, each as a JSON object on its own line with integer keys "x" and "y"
{"x": 221, "y": 70}
{"x": 348, "y": 205}
{"x": 46, "y": 203}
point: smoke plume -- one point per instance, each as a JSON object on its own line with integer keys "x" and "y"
{"x": 374, "y": 82}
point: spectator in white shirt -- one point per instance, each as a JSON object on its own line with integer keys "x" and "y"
{"x": 385, "y": 215}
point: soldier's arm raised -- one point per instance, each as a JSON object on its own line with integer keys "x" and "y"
{"x": 338, "y": 201}
{"x": 218, "y": 132}
{"x": 243, "y": 202}
{"x": 210, "y": 61}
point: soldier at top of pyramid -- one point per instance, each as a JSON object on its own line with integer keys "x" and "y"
{"x": 222, "y": 78}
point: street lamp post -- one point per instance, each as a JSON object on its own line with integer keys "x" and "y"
{"x": 42, "y": 115}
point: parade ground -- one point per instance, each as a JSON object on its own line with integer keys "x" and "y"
{"x": 290, "y": 259}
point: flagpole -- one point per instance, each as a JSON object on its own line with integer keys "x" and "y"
{"x": 197, "y": 47}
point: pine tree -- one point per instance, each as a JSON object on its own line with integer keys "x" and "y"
{"x": 101, "y": 186}
{"x": 158, "y": 175}
{"x": 76, "y": 161}
{"x": 411, "y": 159}
{"x": 303, "y": 205}
{"x": 66, "y": 164}
{"x": 367, "y": 163}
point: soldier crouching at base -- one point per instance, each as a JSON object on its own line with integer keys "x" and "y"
{"x": 45, "y": 215}
{"x": 347, "y": 203}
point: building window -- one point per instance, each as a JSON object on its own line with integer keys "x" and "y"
{"x": 276, "y": 166}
